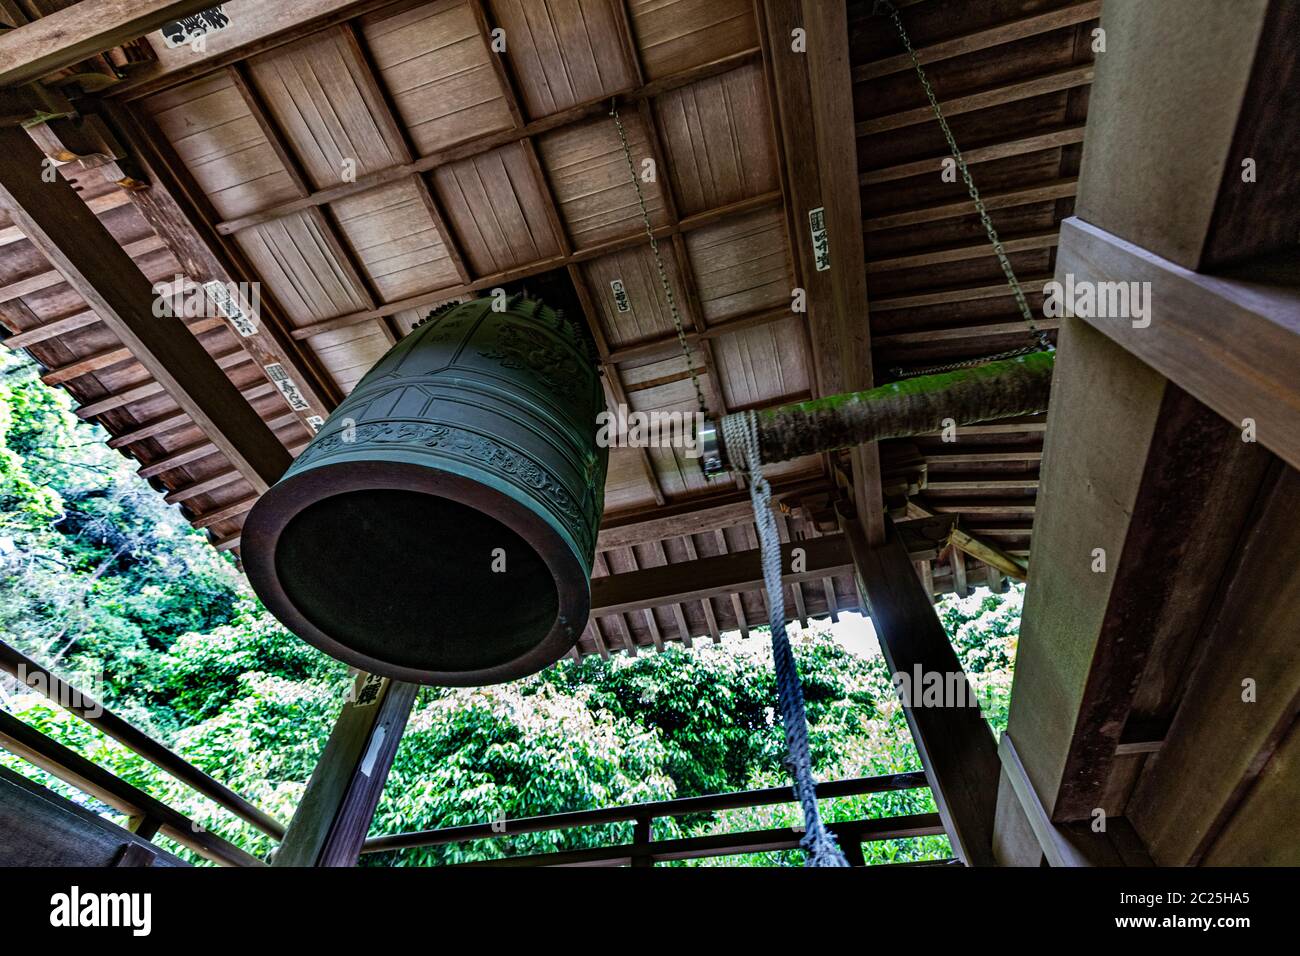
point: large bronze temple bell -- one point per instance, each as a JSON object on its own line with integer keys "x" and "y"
{"x": 440, "y": 527}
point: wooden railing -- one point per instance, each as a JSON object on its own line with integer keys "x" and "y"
{"x": 644, "y": 850}
{"x": 147, "y": 815}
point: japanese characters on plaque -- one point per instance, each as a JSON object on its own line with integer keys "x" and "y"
{"x": 186, "y": 30}
{"x": 287, "y": 386}
{"x": 621, "y": 301}
{"x": 220, "y": 295}
{"x": 821, "y": 242}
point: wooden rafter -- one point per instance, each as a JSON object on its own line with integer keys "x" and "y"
{"x": 68, "y": 36}
{"x": 61, "y": 226}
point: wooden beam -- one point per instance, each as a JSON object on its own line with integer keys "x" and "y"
{"x": 1173, "y": 115}
{"x": 982, "y": 40}
{"x": 990, "y": 554}
{"x": 713, "y": 577}
{"x": 334, "y": 816}
{"x": 814, "y": 107}
{"x": 963, "y": 253}
{"x": 1143, "y": 488}
{"x": 66, "y": 37}
{"x": 89, "y": 258}
{"x": 954, "y": 741}
{"x": 914, "y": 300}
{"x": 28, "y": 743}
{"x": 1232, "y": 340}
{"x": 979, "y": 154}
{"x": 29, "y": 673}
{"x": 38, "y": 827}
{"x": 1054, "y": 82}
{"x": 1002, "y": 199}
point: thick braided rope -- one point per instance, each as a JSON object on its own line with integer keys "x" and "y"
{"x": 741, "y": 435}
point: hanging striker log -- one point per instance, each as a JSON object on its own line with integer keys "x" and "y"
{"x": 915, "y": 406}
{"x": 440, "y": 528}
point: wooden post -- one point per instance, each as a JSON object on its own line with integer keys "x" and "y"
{"x": 954, "y": 740}
{"x": 1155, "y": 587}
{"x": 334, "y": 817}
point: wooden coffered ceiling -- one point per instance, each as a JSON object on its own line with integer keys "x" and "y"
{"x": 366, "y": 162}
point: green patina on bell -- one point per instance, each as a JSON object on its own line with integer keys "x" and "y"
{"x": 440, "y": 528}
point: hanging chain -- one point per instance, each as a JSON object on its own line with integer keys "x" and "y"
{"x": 1041, "y": 342}
{"x": 659, "y": 262}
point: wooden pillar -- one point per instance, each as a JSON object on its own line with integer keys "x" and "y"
{"x": 953, "y": 739}
{"x": 1151, "y": 595}
{"x": 334, "y": 817}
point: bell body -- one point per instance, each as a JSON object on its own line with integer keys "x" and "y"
{"x": 440, "y": 528}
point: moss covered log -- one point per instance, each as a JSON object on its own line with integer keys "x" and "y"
{"x": 1005, "y": 389}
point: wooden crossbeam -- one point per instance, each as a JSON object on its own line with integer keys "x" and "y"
{"x": 975, "y": 331}
{"x": 982, "y": 39}
{"x": 1230, "y": 340}
{"x": 963, "y": 253}
{"x": 978, "y": 154}
{"x": 1054, "y": 82}
{"x": 85, "y": 253}
{"x": 65, "y": 37}
{"x": 714, "y": 577}
{"x": 1031, "y": 286}
{"x": 1001, "y": 199}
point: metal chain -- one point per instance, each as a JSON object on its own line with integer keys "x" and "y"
{"x": 659, "y": 262}
{"x": 1042, "y": 342}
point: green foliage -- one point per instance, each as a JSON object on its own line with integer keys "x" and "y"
{"x": 98, "y": 575}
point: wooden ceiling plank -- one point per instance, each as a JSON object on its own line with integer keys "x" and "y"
{"x": 1055, "y": 82}
{"x": 179, "y": 213}
{"x": 472, "y": 147}
{"x": 74, "y": 240}
{"x": 964, "y": 253}
{"x": 981, "y": 40}
{"x": 1005, "y": 149}
{"x": 1004, "y": 199}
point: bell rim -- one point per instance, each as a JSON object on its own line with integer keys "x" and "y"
{"x": 296, "y": 492}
